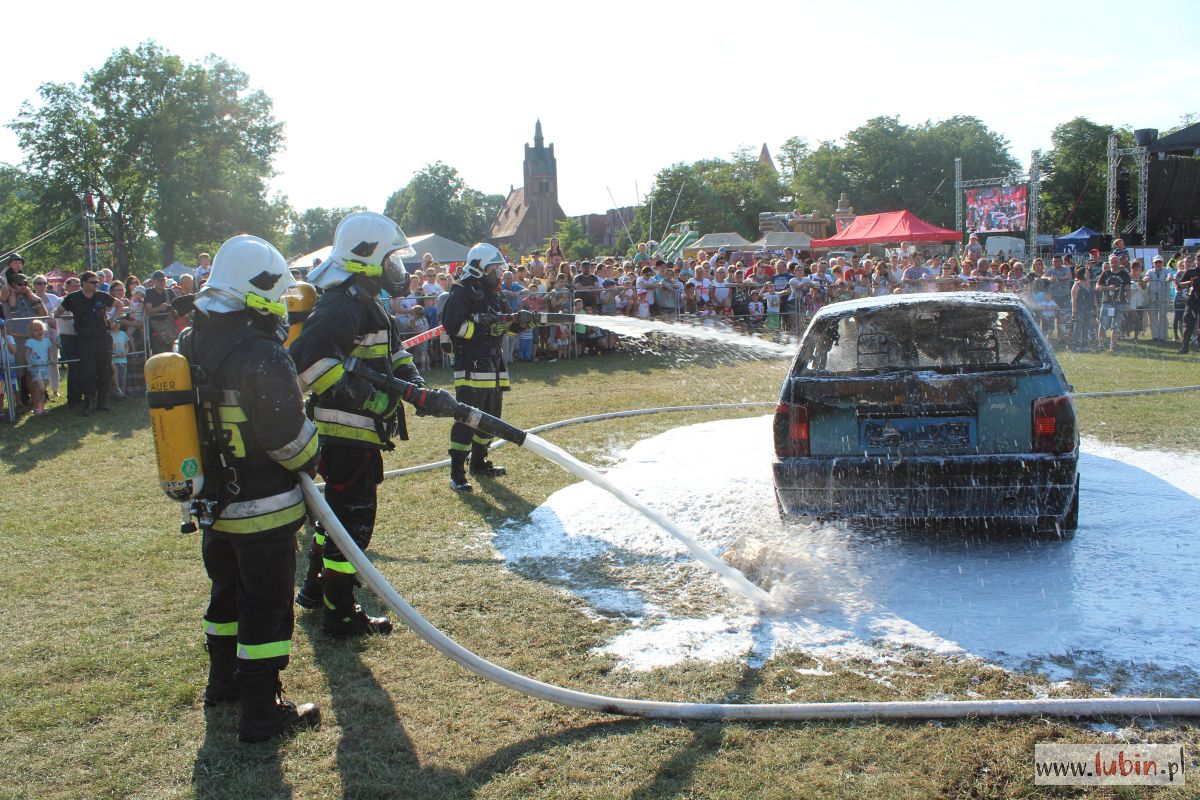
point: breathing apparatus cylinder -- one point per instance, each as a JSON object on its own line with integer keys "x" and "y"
{"x": 300, "y": 300}
{"x": 172, "y": 401}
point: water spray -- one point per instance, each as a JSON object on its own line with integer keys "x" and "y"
{"x": 440, "y": 403}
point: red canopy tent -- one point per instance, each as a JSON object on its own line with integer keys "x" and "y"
{"x": 894, "y": 226}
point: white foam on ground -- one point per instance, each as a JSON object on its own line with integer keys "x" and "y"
{"x": 1117, "y": 605}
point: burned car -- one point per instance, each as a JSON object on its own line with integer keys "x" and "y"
{"x": 928, "y": 408}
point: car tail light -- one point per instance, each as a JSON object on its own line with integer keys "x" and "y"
{"x": 1053, "y": 425}
{"x": 791, "y": 430}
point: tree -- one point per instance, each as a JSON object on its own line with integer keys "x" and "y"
{"x": 22, "y": 219}
{"x": 1075, "y": 175}
{"x": 576, "y": 244}
{"x": 887, "y": 166}
{"x": 182, "y": 149}
{"x": 437, "y": 200}
{"x": 717, "y": 194}
{"x": 313, "y": 228}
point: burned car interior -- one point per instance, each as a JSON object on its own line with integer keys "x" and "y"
{"x": 951, "y": 339}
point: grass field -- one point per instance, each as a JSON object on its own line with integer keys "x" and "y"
{"x": 103, "y": 665}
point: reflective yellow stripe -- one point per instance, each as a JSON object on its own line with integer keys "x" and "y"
{"x": 370, "y": 351}
{"x": 331, "y": 376}
{"x": 460, "y": 446}
{"x": 503, "y": 383}
{"x": 347, "y": 432}
{"x": 262, "y": 522}
{"x": 375, "y": 337}
{"x": 319, "y": 538}
{"x": 321, "y": 374}
{"x": 254, "y": 652}
{"x": 402, "y": 358}
{"x": 298, "y": 451}
{"x": 233, "y": 414}
{"x": 481, "y": 439}
{"x": 328, "y": 604}
{"x": 339, "y": 566}
{"x": 220, "y": 628}
{"x": 467, "y": 330}
{"x": 304, "y": 456}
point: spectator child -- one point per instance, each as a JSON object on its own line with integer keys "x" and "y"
{"x": 755, "y": 309}
{"x": 525, "y": 337}
{"x": 37, "y": 355}
{"x": 771, "y": 300}
{"x": 120, "y": 343}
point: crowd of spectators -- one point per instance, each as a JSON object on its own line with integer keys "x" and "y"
{"x": 1086, "y": 304}
{"x": 1089, "y": 303}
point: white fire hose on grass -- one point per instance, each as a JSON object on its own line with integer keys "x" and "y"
{"x": 934, "y": 709}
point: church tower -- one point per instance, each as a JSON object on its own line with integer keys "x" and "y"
{"x": 530, "y": 214}
{"x": 541, "y": 183}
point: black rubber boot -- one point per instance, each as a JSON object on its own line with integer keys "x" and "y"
{"x": 222, "y": 667}
{"x": 458, "y": 472}
{"x": 310, "y": 592}
{"x": 480, "y": 464}
{"x": 343, "y": 617}
{"x": 265, "y": 714}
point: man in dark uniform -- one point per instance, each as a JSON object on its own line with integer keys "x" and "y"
{"x": 476, "y": 318}
{"x": 256, "y": 438}
{"x": 1189, "y": 281}
{"x": 88, "y": 308}
{"x": 356, "y": 422}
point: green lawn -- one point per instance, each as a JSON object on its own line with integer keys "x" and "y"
{"x": 103, "y": 663}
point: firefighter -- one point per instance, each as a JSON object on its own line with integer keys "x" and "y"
{"x": 477, "y": 318}
{"x": 355, "y": 422}
{"x": 255, "y": 439}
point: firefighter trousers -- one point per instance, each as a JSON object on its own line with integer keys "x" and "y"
{"x": 253, "y": 576}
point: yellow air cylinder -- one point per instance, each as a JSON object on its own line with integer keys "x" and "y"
{"x": 173, "y": 421}
{"x": 300, "y": 300}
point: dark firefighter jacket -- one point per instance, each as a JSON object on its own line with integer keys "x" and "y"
{"x": 478, "y": 359}
{"x": 253, "y": 413}
{"x": 349, "y": 322}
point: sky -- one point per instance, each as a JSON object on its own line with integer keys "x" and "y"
{"x": 371, "y": 92}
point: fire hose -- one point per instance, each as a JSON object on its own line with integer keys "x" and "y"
{"x": 937, "y": 709}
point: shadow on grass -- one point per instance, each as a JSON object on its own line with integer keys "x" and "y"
{"x": 375, "y": 756}
{"x": 492, "y": 500}
{"x": 226, "y": 768}
{"x": 675, "y": 776}
{"x": 33, "y": 440}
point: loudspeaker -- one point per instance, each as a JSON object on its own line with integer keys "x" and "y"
{"x": 1144, "y": 137}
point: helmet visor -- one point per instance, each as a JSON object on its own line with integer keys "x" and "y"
{"x": 394, "y": 270}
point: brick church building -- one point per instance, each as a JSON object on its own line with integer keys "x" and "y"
{"x": 531, "y": 213}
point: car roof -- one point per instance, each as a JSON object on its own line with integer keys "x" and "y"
{"x": 939, "y": 299}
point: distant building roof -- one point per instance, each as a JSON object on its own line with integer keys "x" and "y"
{"x": 711, "y": 241}
{"x": 777, "y": 240}
{"x": 511, "y": 213}
{"x": 764, "y": 156}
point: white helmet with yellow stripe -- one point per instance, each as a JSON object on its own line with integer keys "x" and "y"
{"x": 247, "y": 272}
{"x": 365, "y": 243}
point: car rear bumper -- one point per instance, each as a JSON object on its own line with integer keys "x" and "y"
{"x": 1006, "y": 487}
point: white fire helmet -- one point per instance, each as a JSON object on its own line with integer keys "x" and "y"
{"x": 368, "y": 244}
{"x": 247, "y": 272}
{"x": 479, "y": 258}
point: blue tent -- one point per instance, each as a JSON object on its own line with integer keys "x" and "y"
{"x": 1079, "y": 241}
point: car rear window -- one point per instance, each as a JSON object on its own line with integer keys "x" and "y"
{"x": 951, "y": 339}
